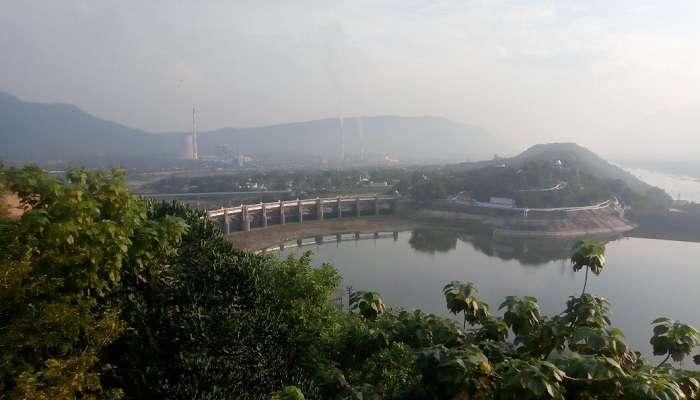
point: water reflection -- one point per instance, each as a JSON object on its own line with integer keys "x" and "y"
{"x": 529, "y": 252}
{"x": 411, "y": 268}
{"x": 433, "y": 241}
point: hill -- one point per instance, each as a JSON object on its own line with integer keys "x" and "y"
{"x": 582, "y": 175}
{"x": 40, "y": 132}
{"x": 578, "y": 157}
{"x": 406, "y": 138}
{"x": 571, "y": 156}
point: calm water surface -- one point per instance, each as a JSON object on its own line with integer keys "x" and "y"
{"x": 644, "y": 278}
{"x": 686, "y": 188}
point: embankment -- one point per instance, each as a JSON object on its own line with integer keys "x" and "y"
{"x": 515, "y": 223}
{"x": 666, "y": 225}
{"x": 510, "y": 223}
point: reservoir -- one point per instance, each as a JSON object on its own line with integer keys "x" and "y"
{"x": 643, "y": 279}
{"x": 687, "y": 188}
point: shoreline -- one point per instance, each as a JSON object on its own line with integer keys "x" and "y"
{"x": 263, "y": 238}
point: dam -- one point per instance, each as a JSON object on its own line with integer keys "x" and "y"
{"x": 248, "y": 216}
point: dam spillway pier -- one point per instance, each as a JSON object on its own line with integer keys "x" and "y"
{"x": 249, "y": 216}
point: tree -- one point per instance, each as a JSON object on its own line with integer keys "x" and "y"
{"x": 522, "y": 314}
{"x": 218, "y": 323}
{"x": 288, "y": 393}
{"x": 426, "y": 190}
{"x": 588, "y": 254}
{"x": 59, "y": 264}
{"x": 461, "y": 298}
{"x": 369, "y": 304}
{"x": 673, "y": 339}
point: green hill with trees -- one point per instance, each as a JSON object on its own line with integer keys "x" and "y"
{"x": 579, "y": 176}
{"x": 104, "y": 295}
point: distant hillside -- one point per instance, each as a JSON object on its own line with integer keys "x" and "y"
{"x": 39, "y": 131}
{"x": 581, "y": 176}
{"x": 574, "y": 156}
{"x": 413, "y": 138}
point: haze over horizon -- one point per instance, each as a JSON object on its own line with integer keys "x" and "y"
{"x": 622, "y": 79}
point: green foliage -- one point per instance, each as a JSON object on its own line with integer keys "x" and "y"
{"x": 217, "y": 323}
{"x": 288, "y": 393}
{"x": 452, "y": 373}
{"x": 522, "y": 314}
{"x": 492, "y": 328}
{"x": 576, "y": 354}
{"x": 583, "y": 186}
{"x": 588, "y": 311}
{"x": 60, "y": 264}
{"x": 462, "y": 298}
{"x": 673, "y": 339}
{"x": 644, "y": 386}
{"x": 589, "y": 254}
{"x": 429, "y": 189}
{"x": 369, "y": 304}
{"x": 523, "y": 379}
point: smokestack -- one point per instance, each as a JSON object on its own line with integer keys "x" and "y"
{"x": 195, "y": 150}
{"x": 342, "y": 138}
{"x": 361, "y": 133}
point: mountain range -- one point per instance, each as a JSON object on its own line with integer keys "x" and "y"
{"x": 57, "y": 131}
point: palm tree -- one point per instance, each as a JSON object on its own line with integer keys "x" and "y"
{"x": 589, "y": 254}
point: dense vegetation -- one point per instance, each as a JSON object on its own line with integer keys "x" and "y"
{"x": 104, "y": 295}
{"x": 302, "y": 182}
{"x": 524, "y": 184}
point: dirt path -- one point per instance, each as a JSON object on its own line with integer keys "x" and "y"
{"x": 11, "y": 203}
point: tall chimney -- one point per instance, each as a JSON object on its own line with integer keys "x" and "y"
{"x": 361, "y": 131}
{"x": 342, "y": 138}
{"x": 195, "y": 150}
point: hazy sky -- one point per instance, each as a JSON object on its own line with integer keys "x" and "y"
{"x": 622, "y": 77}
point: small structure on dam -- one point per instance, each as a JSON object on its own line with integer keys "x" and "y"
{"x": 261, "y": 215}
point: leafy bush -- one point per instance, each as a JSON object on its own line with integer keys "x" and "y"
{"x": 520, "y": 355}
{"x": 60, "y": 264}
{"x": 216, "y": 322}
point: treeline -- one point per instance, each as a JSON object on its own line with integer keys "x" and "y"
{"x": 312, "y": 182}
{"x": 105, "y": 295}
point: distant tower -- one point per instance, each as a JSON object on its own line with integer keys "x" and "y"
{"x": 342, "y": 138}
{"x": 195, "y": 150}
{"x": 361, "y": 133}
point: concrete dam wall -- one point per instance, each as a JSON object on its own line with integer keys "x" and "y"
{"x": 248, "y": 216}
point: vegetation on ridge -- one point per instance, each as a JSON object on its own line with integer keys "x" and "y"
{"x": 105, "y": 295}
